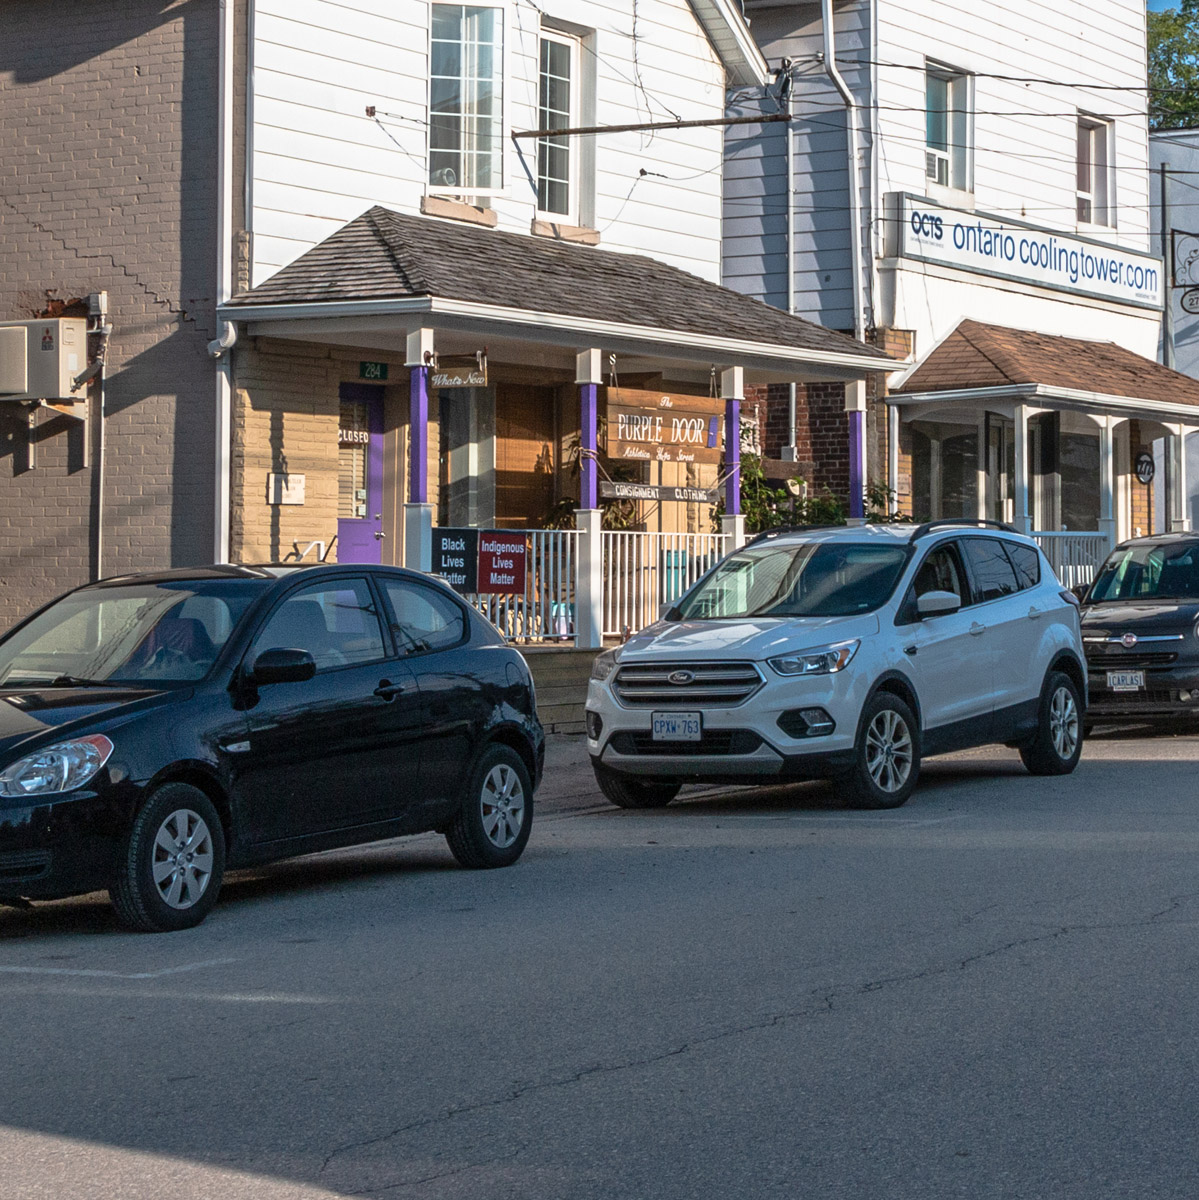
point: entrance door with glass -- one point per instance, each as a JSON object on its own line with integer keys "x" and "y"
{"x": 360, "y": 474}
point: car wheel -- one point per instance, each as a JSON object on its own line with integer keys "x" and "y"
{"x": 1058, "y": 744}
{"x": 634, "y": 793}
{"x": 492, "y": 825}
{"x": 171, "y": 866}
{"x": 886, "y": 756}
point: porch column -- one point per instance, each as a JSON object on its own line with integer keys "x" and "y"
{"x": 589, "y": 566}
{"x": 893, "y": 457}
{"x": 732, "y": 388}
{"x": 1107, "y": 480}
{"x": 1021, "y": 517}
{"x": 981, "y": 470}
{"x": 1177, "y": 503}
{"x": 418, "y": 512}
{"x": 855, "y": 406}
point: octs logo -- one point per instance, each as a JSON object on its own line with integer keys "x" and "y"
{"x": 928, "y": 225}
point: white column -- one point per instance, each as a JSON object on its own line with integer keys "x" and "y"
{"x": 1107, "y": 480}
{"x": 1021, "y": 518}
{"x": 893, "y": 456}
{"x": 735, "y": 527}
{"x": 1178, "y": 507}
{"x": 589, "y": 580}
{"x": 982, "y": 467}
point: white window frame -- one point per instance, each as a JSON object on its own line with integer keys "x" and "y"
{"x": 958, "y": 159}
{"x": 1099, "y": 197}
{"x": 573, "y": 182}
{"x": 439, "y": 189}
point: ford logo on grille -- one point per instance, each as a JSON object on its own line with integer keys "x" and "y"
{"x": 681, "y": 677}
{"x": 1128, "y": 641}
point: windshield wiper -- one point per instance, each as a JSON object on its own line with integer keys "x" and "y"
{"x": 78, "y": 681}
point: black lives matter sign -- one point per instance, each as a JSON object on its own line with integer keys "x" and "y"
{"x": 456, "y": 558}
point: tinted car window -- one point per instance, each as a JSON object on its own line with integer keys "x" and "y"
{"x": 423, "y": 619}
{"x": 336, "y": 622}
{"x": 992, "y": 571}
{"x": 1027, "y": 563}
{"x": 940, "y": 573}
{"x": 1147, "y": 571}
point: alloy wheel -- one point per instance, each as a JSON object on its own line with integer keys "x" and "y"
{"x": 1063, "y": 723}
{"x": 183, "y": 858}
{"x": 503, "y": 804}
{"x": 889, "y": 751}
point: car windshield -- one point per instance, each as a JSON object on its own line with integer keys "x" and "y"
{"x": 1169, "y": 572}
{"x": 162, "y": 632}
{"x": 809, "y": 579}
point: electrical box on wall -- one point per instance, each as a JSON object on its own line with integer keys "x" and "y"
{"x": 39, "y": 360}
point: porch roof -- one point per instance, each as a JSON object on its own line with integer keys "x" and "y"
{"x": 991, "y": 360}
{"x": 386, "y": 262}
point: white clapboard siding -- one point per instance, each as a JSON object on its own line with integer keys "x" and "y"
{"x": 318, "y": 161}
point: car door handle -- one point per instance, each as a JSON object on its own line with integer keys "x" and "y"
{"x": 910, "y": 650}
{"x": 976, "y": 629}
{"x": 388, "y": 690}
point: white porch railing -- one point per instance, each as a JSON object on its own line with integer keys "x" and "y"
{"x": 546, "y": 610}
{"x": 1074, "y": 557}
{"x": 643, "y": 571}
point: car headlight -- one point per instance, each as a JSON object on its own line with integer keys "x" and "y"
{"x": 605, "y": 663}
{"x": 827, "y": 660}
{"x": 60, "y": 768}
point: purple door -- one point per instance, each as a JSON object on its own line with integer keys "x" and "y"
{"x": 360, "y": 474}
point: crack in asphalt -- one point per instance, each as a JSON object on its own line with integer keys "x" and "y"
{"x": 823, "y": 1001}
{"x": 406, "y": 1183}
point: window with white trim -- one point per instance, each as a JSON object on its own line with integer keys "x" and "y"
{"x": 466, "y": 99}
{"x": 557, "y": 108}
{"x": 1095, "y": 185}
{"x": 947, "y": 128}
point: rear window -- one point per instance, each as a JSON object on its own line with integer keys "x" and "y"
{"x": 993, "y": 574}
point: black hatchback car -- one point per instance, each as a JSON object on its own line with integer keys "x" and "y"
{"x": 156, "y": 729}
{"x": 1139, "y": 629}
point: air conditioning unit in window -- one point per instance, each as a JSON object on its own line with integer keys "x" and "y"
{"x": 39, "y": 360}
{"x": 936, "y": 166}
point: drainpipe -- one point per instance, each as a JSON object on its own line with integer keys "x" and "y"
{"x": 790, "y": 451}
{"x": 219, "y": 348}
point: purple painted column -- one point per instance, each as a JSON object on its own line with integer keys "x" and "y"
{"x": 857, "y": 472}
{"x": 588, "y": 445}
{"x": 418, "y": 437}
{"x": 732, "y": 457}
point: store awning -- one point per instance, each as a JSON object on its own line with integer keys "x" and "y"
{"x": 386, "y": 273}
{"x": 978, "y": 363}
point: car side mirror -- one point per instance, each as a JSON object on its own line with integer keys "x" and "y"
{"x": 1080, "y": 590}
{"x": 937, "y": 604}
{"x": 282, "y": 666}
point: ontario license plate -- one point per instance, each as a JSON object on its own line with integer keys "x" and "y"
{"x": 678, "y": 727}
{"x": 1126, "y": 681}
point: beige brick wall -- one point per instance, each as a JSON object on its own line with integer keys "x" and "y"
{"x": 285, "y": 418}
{"x": 107, "y": 182}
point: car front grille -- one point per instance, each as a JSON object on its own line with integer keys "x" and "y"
{"x": 686, "y": 685}
{"x": 1149, "y": 698}
{"x": 713, "y": 742}
{"x": 1129, "y": 660}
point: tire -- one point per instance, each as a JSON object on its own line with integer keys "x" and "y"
{"x": 634, "y": 793}
{"x": 879, "y": 779}
{"x": 492, "y": 825}
{"x": 170, "y": 869}
{"x": 1058, "y": 745}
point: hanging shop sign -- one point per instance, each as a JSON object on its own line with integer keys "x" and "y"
{"x": 648, "y": 426}
{"x": 481, "y": 561}
{"x": 456, "y": 558}
{"x": 610, "y": 490}
{"x": 353, "y": 437}
{"x": 1007, "y": 249}
{"x": 467, "y": 370}
{"x": 1144, "y": 467}
{"x": 1190, "y": 301}
{"x": 1184, "y": 255}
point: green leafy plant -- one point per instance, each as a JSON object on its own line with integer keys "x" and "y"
{"x": 1174, "y": 67}
{"x": 767, "y": 507}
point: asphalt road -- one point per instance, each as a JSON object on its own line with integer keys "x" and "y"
{"x": 991, "y": 992}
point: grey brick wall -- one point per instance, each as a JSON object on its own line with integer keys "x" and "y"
{"x": 108, "y": 120}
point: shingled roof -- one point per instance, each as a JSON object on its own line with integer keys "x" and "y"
{"x": 977, "y": 355}
{"x": 384, "y": 254}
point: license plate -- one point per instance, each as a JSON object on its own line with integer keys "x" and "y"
{"x": 678, "y": 727}
{"x": 1126, "y": 681}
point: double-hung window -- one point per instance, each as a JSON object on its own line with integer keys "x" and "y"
{"x": 947, "y": 130}
{"x": 1094, "y": 174}
{"x": 557, "y": 108}
{"x": 466, "y": 109}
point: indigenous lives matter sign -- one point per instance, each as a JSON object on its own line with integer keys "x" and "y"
{"x": 481, "y": 561}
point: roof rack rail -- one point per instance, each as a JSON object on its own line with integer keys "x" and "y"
{"x": 968, "y": 522}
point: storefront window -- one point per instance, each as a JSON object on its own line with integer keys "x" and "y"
{"x": 353, "y": 438}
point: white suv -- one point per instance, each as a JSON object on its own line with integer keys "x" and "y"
{"x": 845, "y": 653}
